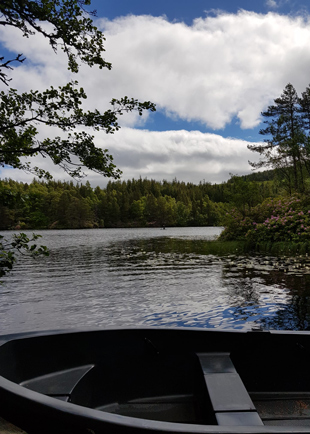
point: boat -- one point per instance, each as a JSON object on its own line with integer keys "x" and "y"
{"x": 156, "y": 380}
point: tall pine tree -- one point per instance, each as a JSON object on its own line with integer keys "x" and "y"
{"x": 282, "y": 149}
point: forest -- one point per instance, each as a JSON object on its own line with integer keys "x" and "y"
{"x": 132, "y": 203}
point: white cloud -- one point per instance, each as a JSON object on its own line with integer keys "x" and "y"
{"x": 190, "y": 156}
{"x": 271, "y": 4}
{"x": 220, "y": 68}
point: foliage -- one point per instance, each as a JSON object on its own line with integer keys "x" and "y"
{"x": 284, "y": 219}
{"x": 66, "y": 25}
{"x": 19, "y": 245}
{"x": 20, "y": 113}
{"x": 71, "y": 30}
{"x": 289, "y": 221}
{"x": 244, "y": 194}
{"x": 52, "y": 204}
{"x": 288, "y": 131}
{"x": 272, "y": 221}
{"x": 140, "y": 202}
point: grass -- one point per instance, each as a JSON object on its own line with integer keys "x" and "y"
{"x": 245, "y": 247}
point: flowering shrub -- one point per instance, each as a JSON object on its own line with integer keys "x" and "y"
{"x": 236, "y": 226}
{"x": 282, "y": 219}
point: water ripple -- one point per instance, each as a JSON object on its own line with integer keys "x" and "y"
{"x": 136, "y": 277}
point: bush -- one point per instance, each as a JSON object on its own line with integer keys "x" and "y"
{"x": 276, "y": 220}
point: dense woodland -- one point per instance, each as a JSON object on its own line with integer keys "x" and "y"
{"x": 132, "y": 203}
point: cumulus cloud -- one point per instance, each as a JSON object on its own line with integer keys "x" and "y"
{"x": 230, "y": 65}
{"x": 190, "y": 156}
{"x": 222, "y": 67}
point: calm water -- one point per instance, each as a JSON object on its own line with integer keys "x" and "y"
{"x": 148, "y": 277}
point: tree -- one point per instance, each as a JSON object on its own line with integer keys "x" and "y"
{"x": 285, "y": 127}
{"x": 243, "y": 194}
{"x": 304, "y": 102}
{"x": 67, "y": 26}
{"x": 71, "y": 30}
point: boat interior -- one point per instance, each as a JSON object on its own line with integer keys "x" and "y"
{"x": 254, "y": 379}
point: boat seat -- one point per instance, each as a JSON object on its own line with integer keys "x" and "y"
{"x": 230, "y": 400}
{"x": 59, "y": 384}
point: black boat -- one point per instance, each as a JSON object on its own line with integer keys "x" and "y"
{"x": 156, "y": 380}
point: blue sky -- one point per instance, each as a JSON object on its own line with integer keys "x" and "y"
{"x": 185, "y": 11}
{"x": 210, "y": 66}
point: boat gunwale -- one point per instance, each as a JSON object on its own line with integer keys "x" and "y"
{"x": 74, "y": 410}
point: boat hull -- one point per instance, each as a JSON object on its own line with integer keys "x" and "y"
{"x": 156, "y": 380}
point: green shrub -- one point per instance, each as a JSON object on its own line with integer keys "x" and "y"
{"x": 274, "y": 220}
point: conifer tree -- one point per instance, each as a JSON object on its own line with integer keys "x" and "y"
{"x": 282, "y": 148}
{"x": 304, "y": 102}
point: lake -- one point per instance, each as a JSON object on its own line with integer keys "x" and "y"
{"x": 149, "y": 277}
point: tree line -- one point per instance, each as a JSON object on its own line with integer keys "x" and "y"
{"x": 132, "y": 203}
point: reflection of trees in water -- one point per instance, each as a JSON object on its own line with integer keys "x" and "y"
{"x": 296, "y": 284}
{"x": 288, "y": 310}
{"x": 295, "y": 316}
{"x": 243, "y": 290}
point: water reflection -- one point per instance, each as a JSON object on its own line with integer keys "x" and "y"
{"x": 146, "y": 277}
